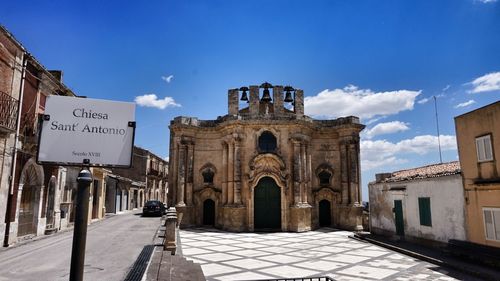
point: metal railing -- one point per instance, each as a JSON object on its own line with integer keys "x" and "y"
{"x": 322, "y": 278}
{"x": 8, "y": 112}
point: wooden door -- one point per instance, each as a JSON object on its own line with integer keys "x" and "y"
{"x": 267, "y": 205}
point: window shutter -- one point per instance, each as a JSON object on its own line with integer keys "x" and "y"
{"x": 488, "y": 153}
{"x": 424, "y": 208}
{"x": 488, "y": 223}
{"x": 480, "y": 149}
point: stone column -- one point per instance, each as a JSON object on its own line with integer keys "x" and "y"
{"x": 278, "y": 100}
{"x": 344, "y": 172}
{"x": 189, "y": 177}
{"x": 237, "y": 171}
{"x": 181, "y": 175}
{"x": 254, "y": 100}
{"x": 308, "y": 174}
{"x": 224, "y": 172}
{"x": 299, "y": 103}
{"x": 232, "y": 101}
{"x": 354, "y": 173}
{"x": 296, "y": 172}
{"x": 303, "y": 168}
{"x": 230, "y": 173}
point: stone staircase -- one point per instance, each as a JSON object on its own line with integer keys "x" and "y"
{"x": 167, "y": 267}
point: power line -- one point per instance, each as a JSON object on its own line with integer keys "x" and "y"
{"x": 437, "y": 127}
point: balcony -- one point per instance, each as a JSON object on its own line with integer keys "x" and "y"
{"x": 8, "y": 113}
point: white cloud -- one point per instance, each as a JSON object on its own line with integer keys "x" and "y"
{"x": 446, "y": 88}
{"x": 363, "y": 103}
{"x": 486, "y": 1}
{"x": 167, "y": 79}
{"x": 486, "y": 83}
{"x": 151, "y": 100}
{"x": 379, "y": 152}
{"x": 464, "y": 104}
{"x": 167, "y": 158}
{"x": 386, "y": 128}
{"x": 424, "y": 100}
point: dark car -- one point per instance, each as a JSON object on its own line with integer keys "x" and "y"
{"x": 153, "y": 208}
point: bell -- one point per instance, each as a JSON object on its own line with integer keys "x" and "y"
{"x": 288, "y": 95}
{"x": 266, "y": 97}
{"x": 244, "y": 94}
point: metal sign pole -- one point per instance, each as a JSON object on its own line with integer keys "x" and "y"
{"x": 81, "y": 221}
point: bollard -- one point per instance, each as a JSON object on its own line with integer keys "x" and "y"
{"x": 170, "y": 243}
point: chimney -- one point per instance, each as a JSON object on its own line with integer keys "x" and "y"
{"x": 58, "y": 74}
{"x": 382, "y": 176}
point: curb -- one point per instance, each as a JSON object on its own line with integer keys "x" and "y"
{"x": 425, "y": 258}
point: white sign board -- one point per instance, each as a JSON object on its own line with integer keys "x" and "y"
{"x": 80, "y": 130}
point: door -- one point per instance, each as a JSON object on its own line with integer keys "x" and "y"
{"x": 325, "y": 214}
{"x": 209, "y": 212}
{"x": 398, "y": 213}
{"x": 27, "y": 211}
{"x": 267, "y": 205}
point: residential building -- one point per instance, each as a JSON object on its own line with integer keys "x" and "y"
{"x": 424, "y": 204}
{"x": 28, "y": 191}
{"x": 129, "y": 188}
{"x": 266, "y": 166}
{"x": 478, "y": 138}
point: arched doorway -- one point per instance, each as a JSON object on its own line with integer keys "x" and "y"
{"x": 267, "y": 205}
{"x": 325, "y": 214}
{"x": 29, "y": 202}
{"x": 209, "y": 212}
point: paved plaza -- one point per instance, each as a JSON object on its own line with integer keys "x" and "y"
{"x": 324, "y": 252}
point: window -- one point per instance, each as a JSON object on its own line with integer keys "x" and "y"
{"x": 208, "y": 176}
{"x": 424, "y": 208}
{"x": 324, "y": 178}
{"x": 483, "y": 148}
{"x": 267, "y": 142}
{"x": 492, "y": 223}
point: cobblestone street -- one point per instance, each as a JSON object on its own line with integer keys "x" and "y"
{"x": 325, "y": 252}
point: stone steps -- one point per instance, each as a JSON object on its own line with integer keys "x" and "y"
{"x": 165, "y": 267}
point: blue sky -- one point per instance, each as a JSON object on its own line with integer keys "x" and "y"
{"x": 380, "y": 60}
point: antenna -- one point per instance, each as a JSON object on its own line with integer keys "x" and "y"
{"x": 437, "y": 127}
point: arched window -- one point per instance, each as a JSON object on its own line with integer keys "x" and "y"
{"x": 267, "y": 142}
{"x": 324, "y": 178}
{"x": 208, "y": 176}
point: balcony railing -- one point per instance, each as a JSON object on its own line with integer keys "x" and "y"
{"x": 8, "y": 112}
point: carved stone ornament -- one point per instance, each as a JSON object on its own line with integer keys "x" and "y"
{"x": 267, "y": 164}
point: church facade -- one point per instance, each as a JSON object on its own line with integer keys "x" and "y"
{"x": 266, "y": 166}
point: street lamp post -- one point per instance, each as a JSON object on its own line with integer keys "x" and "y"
{"x": 81, "y": 220}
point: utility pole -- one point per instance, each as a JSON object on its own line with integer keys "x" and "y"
{"x": 437, "y": 127}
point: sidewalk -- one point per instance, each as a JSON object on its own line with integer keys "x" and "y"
{"x": 69, "y": 228}
{"x": 432, "y": 255}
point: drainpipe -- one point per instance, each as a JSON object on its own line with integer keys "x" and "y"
{"x": 14, "y": 154}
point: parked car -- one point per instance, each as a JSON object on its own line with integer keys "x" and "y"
{"x": 154, "y": 208}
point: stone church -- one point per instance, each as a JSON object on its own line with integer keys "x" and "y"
{"x": 265, "y": 166}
